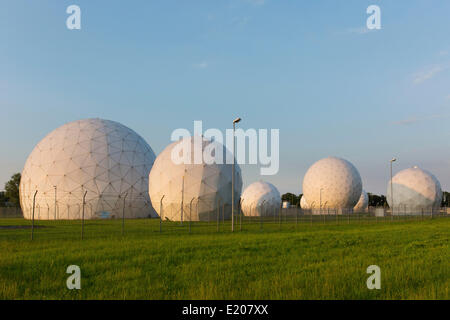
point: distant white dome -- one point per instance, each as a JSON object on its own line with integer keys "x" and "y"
{"x": 414, "y": 189}
{"x": 260, "y": 199}
{"x": 339, "y": 181}
{"x": 363, "y": 202}
{"x": 304, "y": 203}
{"x": 206, "y": 185}
{"x": 102, "y": 157}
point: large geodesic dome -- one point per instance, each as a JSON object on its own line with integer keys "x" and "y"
{"x": 191, "y": 181}
{"x": 415, "y": 191}
{"x": 104, "y": 159}
{"x": 332, "y": 183}
{"x": 363, "y": 202}
{"x": 260, "y": 199}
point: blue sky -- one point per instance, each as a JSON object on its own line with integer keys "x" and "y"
{"x": 308, "y": 68}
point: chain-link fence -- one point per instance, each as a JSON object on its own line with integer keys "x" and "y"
{"x": 10, "y": 212}
{"x": 122, "y": 216}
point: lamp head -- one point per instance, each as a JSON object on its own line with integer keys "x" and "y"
{"x": 236, "y": 120}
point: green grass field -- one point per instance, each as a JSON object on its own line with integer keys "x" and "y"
{"x": 300, "y": 261}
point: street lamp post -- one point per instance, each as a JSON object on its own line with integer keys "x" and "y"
{"x": 392, "y": 190}
{"x": 232, "y": 178}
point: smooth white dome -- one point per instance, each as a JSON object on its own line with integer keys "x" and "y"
{"x": 304, "y": 203}
{"x": 339, "y": 181}
{"x": 414, "y": 189}
{"x": 260, "y": 199}
{"x": 102, "y": 157}
{"x": 363, "y": 202}
{"x": 207, "y": 184}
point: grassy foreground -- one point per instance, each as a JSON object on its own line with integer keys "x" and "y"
{"x": 299, "y": 262}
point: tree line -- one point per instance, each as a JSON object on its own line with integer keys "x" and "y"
{"x": 10, "y": 197}
{"x": 374, "y": 199}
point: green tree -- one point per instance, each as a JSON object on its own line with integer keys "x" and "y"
{"x": 12, "y": 189}
{"x": 377, "y": 201}
{"x": 3, "y": 199}
{"x": 291, "y": 198}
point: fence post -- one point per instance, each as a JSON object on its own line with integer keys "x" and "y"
{"x": 32, "y": 222}
{"x": 190, "y": 213}
{"x": 240, "y": 215}
{"x": 160, "y": 213}
{"x": 280, "y": 212}
{"x": 82, "y": 215}
{"x": 261, "y": 210}
{"x": 123, "y": 214}
{"x": 218, "y": 214}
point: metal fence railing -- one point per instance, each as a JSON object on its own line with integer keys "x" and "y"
{"x": 192, "y": 217}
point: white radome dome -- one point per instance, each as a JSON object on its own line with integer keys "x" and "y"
{"x": 260, "y": 199}
{"x": 339, "y": 181}
{"x": 414, "y": 190}
{"x": 206, "y": 183}
{"x": 102, "y": 157}
{"x": 363, "y": 202}
{"x": 304, "y": 203}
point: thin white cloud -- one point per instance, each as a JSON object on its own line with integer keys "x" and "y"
{"x": 414, "y": 119}
{"x": 256, "y": 2}
{"x": 358, "y": 31}
{"x": 428, "y": 73}
{"x": 240, "y": 21}
{"x": 201, "y": 65}
{"x": 361, "y": 30}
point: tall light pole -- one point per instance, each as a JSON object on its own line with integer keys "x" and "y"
{"x": 232, "y": 172}
{"x": 392, "y": 189}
